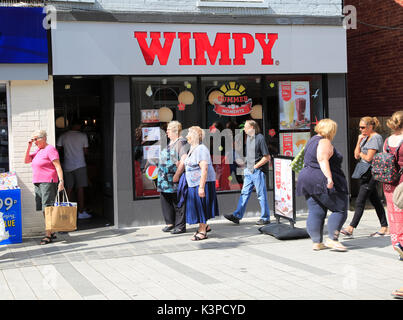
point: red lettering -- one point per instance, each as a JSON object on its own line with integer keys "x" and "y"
{"x": 185, "y": 50}
{"x": 240, "y": 50}
{"x": 221, "y": 44}
{"x": 155, "y": 48}
{"x": 267, "y": 47}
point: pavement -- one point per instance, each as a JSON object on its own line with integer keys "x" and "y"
{"x": 235, "y": 262}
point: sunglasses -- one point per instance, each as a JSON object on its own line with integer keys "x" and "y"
{"x": 36, "y": 139}
{"x": 362, "y": 127}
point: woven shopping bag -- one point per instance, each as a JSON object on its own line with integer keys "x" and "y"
{"x": 62, "y": 216}
{"x": 298, "y": 163}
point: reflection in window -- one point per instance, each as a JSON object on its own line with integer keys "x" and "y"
{"x": 229, "y": 102}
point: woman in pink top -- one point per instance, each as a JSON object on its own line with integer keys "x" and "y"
{"x": 47, "y": 174}
{"x": 395, "y": 215}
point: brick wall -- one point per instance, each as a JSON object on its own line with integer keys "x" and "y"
{"x": 31, "y": 109}
{"x": 375, "y": 59}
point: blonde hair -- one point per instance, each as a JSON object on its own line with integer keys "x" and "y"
{"x": 371, "y": 121}
{"x": 176, "y": 126}
{"x": 39, "y": 134}
{"x": 395, "y": 122}
{"x": 327, "y": 128}
{"x": 199, "y": 131}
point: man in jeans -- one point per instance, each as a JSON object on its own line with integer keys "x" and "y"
{"x": 257, "y": 157}
{"x": 75, "y": 146}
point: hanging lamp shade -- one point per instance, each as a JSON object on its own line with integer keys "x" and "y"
{"x": 256, "y": 112}
{"x": 165, "y": 114}
{"x": 186, "y": 97}
{"x": 61, "y": 123}
{"x": 214, "y": 96}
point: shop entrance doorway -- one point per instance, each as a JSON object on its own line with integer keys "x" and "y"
{"x": 87, "y": 100}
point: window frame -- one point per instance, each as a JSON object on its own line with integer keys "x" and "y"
{"x": 9, "y": 126}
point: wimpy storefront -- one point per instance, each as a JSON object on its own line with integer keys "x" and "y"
{"x": 286, "y": 77}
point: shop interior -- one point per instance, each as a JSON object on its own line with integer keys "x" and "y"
{"x": 87, "y": 99}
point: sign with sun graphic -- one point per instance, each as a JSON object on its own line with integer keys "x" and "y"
{"x": 233, "y": 102}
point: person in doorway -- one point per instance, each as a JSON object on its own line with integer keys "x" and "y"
{"x": 47, "y": 175}
{"x": 369, "y": 143}
{"x": 395, "y": 215}
{"x": 257, "y": 158}
{"x": 168, "y": 163}
{"x": 324, "y": 186}
{"x": 75, "y": 147}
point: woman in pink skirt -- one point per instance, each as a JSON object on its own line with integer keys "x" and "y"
{"x": 395, "y": 215}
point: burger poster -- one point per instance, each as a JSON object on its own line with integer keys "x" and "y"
{"x": 283, "y": 188}
{"x": 294, "y": 100}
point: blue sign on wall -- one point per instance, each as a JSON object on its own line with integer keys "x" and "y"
{"x": 22, "y": 36}
{"x": 10, "y": 206}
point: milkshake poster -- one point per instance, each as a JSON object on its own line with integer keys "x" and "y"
{"x": 294, "y": 99}
{"x": 283, "y": 188}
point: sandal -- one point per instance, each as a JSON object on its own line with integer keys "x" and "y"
{"x": 346, "y": 233}
{"x": 53, "y": 235}
{"x": 207, "y": 230}
{"x": 197, "y": 238}
{"x": 46, "y": 240}
{"x": 377, "y": 234}
{"x": 398, "y": 294}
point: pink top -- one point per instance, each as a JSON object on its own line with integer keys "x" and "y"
{"x": 43, "y": 170}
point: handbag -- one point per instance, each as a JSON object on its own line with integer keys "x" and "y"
{"x": 62, "y": 216}
{"x": 298, "y": 163}
{"x": 398, "y": 196}
{"x": 360, "y": 169}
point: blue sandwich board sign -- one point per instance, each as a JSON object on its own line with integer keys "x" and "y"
{"x": 10, "y": 206}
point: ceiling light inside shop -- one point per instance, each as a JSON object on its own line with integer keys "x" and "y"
{"x": 164, "y": 81}
{"x": 67, "y": 87}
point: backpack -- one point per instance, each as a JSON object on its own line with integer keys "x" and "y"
{"x": 385, "y": 167}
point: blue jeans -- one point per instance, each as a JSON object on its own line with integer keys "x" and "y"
{"x": 257, "y": 180}
{"x": 318, "y": 205}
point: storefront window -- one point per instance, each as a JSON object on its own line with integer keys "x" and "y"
{"x": 285, "y": 107}
{"x": 4, "y": 163}
{"x": 157, "y": 101}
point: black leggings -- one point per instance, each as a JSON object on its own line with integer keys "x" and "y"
{"x": 172, "y": 214}
{"x": 368, "y": 190}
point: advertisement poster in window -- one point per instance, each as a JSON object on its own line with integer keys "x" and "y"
{"x": 284, "y": 188}
{"x": 294, "y": 100}
{"x": 291, "y": 143}
{"x": 150, "y": 116}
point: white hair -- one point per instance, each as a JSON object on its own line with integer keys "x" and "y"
{"x": 39, "y": 134}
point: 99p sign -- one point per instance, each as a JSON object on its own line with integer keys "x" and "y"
{"x": 10, "y": 206}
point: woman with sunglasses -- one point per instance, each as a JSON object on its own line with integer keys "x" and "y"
{"x": 369, "y": 143}
{"x": 47, "y": 174}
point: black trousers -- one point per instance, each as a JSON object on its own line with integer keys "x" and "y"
{"x": 172, "y": 214}
{"x": 368, "y": 191}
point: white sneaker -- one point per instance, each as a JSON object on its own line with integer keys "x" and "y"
{"x": 84, "y": 215}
